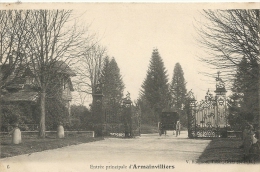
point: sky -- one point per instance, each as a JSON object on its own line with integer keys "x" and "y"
{"x": 130, "y": 32}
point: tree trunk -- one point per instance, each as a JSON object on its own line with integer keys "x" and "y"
{"x": 42, "y": 120}
{"x": 1, "y": 98}
{"x": 258, "y": 24}
{"x": 258, "y": 118}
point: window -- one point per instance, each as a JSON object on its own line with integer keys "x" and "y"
{"x": 29, "y": 80}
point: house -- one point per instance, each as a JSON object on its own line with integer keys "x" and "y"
{"x": 21, "y": 89}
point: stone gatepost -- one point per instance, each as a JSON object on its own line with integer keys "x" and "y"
{"x": 16, "y": 135}
{"x": 127, "y": 105}
{"x": 97, "y": 110}
{"x": 60, "y": 132}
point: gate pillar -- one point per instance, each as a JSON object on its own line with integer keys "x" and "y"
{"x": 127, "y": 105}
{"x": 191, "y": 115}
{"x": 97, "y": 111}
{"x": 221, "y": 113}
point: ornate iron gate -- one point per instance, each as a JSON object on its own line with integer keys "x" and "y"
{"x": 113, "y": 125}
{"x": 208, "y": 118}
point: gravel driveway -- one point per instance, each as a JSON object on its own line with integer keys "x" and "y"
{"x": 146, "y": 152}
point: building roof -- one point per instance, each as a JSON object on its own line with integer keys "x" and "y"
{"x": 16, "y": 81}
{"x": 17, "y": 76}
{"x": 62, "y": 67}
{"x": 23, "y": 69}
{"x": 28, "y": 96}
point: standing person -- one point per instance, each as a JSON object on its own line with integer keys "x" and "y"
{"x": 175, "y": 128}
{"x": 245, "y": 129}
{"x": 178, "y": 128}
{"x": 248, "y": 139}
{"x": 254, "y": 150}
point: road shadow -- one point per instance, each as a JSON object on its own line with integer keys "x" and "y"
{"x": 222, "y": 150}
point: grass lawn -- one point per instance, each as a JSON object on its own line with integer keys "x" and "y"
{"x": 223, "y": 150}
{"x": 30, "y": 145}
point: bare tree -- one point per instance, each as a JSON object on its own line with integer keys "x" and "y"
{"x": 13, "y": 33}
{"x": 12, "y": 40}
{"x": 52, "y": 47}
{"x": 228, "y": 36}
{"x": 90, "y": 68}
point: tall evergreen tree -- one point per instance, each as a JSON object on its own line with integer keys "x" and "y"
{"x": 178, "y": 92}
{"x": 155, "y": 89}
{"x": 105, "y": 78}
{"x": 178, "y": 87}
{"x": 244, "y": 104}
{"x": 113, "y": 87}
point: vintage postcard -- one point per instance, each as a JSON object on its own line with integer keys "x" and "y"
{"x": 129, "y": 87}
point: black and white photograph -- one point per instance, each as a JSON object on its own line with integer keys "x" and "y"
{"x": 129, "y": 86}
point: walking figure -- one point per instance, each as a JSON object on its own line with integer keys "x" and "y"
{"x": 178, "y": 128}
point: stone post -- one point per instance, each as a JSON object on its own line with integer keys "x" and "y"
{"x": 16, "y": 135}
{"x": 60, "y": 132}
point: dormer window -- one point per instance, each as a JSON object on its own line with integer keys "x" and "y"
{"x": 29, "y": 80}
